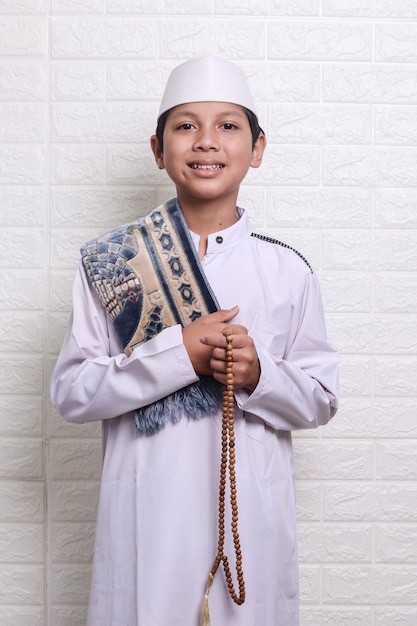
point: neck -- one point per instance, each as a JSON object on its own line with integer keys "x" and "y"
{"x": 206, "y": 218}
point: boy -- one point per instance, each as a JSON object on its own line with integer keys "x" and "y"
{"x": 158, "y": 308}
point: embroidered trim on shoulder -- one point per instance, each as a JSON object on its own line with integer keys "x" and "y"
{"x": 284, "y": 245}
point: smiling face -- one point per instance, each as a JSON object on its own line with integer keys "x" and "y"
{"x": 207, "y": 151}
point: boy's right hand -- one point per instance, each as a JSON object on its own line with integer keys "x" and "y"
{"x": 199, "y": 353}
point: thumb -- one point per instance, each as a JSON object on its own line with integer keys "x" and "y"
{"x": 228, "y": 314}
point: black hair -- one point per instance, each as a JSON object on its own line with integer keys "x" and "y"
{"x": 256, "y": 130}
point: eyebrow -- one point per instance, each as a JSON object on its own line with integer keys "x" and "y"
{"x": 190, "y": 113}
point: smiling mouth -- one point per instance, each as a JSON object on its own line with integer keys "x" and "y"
{"x": 196, "y": 166}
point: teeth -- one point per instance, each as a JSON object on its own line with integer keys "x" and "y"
{"x": 195, "y": 166}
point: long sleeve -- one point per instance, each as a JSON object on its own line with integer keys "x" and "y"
{"x": 298, "y": 389}
{"x": 93, "y": 379}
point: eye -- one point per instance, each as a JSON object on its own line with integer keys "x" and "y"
{"x": 185, "y": 126}
{"x": 229, "y": 126}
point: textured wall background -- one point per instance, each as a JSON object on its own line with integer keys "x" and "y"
{"x": 336, "y": 84}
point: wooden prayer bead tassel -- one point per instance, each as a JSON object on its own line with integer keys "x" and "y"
{"x": 227, "y": 461}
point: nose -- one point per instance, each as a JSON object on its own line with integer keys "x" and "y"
{"x": 206, "y": 140}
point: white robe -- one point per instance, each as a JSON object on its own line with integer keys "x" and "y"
{"x": 156, "y": 534}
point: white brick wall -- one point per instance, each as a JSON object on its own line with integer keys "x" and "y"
{"x": 336, "y": 84}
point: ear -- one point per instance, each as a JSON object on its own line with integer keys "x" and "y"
{"x": 258, "y": 151}
{"x": 157, "y": 152}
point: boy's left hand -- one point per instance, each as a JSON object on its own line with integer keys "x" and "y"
{"x": 246, "y": 368}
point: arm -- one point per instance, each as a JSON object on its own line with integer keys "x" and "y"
{"x": 94, "y": 380}
{"x": 299, "y": 390}
{"x": 292, "y": 391}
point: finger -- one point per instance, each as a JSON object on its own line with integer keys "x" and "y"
{"x": 216, "y": 340}
{"x": 218, "y": 365}
{"x": 219, "y": 354}
{"x": 224, "y": 315}
{"x": 234, "y": 330}
{"x": 240, "y": 339}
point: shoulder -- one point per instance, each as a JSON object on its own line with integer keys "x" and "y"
{"x": 105, "y": 260}
{"x": 121, "y": 239}
{"x": 110, "y": 250}
{"x": 279, "y": 246}
{"x": 120, "y": 236}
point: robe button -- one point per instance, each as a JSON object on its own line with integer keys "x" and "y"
{"x": 219, "y": 239}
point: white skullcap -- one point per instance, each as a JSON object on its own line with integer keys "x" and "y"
{"x": 206, "y": 79}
